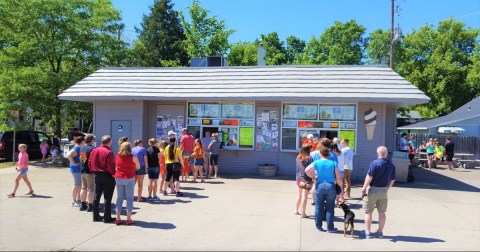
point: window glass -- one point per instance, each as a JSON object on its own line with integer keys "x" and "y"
{"x": 289, "y": 139}
{"x": 300, "y": 111}
{"x": 205, "y": 110}
{"x": 337, "y": 112}
{"x": 42, "y": 137}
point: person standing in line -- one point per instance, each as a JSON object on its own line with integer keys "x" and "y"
{"x": 125, "y": 181}
{"x": 449, "y": 153}
{"x": 327, "y": 174}
{"x": 187, "y": 144}
{"x": 206, "y": 140}
{"x": 198, "y": 161}
{"x": 75, "y": 169}
{"x": 403, "y": 143}
{"x": 214, "y": 149}
{"x": 348, "y": 155}
{"x": 153, "y": 154}
{"x": 341, "y": 168}
{"x": 88, "y": 179}
{"x": 303, "y": 161}
{"x": 122, "y": 140}
{"x": 102, "y": 164}
{"x": 379, "y": 179}
{"x": 163, "y": 170}
{"x": 22, "y": 168}
{"x": 44, "y": 150}
{"x": 174, "y": 164}
{"x": 141, "y": 154}
{"x": 430, "y": 153}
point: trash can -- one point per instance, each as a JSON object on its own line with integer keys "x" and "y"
{"x": 402, "y": 163}
{"x": 267, "y": 170}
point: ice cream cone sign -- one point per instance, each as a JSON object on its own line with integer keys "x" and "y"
{"x": 370, "y": 122}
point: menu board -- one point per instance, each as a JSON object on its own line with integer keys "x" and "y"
{"x": 300, "y": 111}
{"x": 337, "y": 112}
{"x": 350, "y": 135}
{"x": 246, "y": 137}
{"x": 208, "y": 110}
{"x": 237, "y": 110}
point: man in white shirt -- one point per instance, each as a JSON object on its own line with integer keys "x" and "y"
{"x": 348, "y": 156}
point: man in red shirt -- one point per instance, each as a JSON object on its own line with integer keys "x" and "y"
{"x": 187, "y": 143}
{"x": 102, "y": 164}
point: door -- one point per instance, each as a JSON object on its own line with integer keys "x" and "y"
{"x": 119, "y": 129}
{"x": 170, "y": 117}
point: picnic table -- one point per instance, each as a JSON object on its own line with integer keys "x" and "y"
{"x": 466, "y": 160}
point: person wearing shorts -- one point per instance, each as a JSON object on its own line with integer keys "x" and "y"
{"x": 153, "y": 158}
{"x": 214, "y": 148}
{"x": 88, "y": 178}
{"x": 75, "y": 169}
{"x": 380, "y": 178}
{"x": 174, "y": 164}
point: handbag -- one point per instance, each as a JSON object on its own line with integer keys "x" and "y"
{"x": 338, "y": 188}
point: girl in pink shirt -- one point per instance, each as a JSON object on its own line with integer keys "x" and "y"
{"x": 44, "y": 149}
{"x": 22, "y": 168}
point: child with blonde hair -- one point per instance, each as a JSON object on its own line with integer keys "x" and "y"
{"x": 22, "y": 168}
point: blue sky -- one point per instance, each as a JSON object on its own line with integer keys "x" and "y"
{"x": 307, "y": 18}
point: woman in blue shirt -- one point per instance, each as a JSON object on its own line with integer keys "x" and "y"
{"x": 327, "y": 173}
{"x": 75, "y": 169}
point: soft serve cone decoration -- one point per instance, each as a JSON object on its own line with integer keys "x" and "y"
{"x": 370, "y": 122}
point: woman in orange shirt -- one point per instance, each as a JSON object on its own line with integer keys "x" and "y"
{"x": 198, "y": 160}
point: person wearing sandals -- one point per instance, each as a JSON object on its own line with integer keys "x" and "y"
{"x": 127, "y": 163}
{"x": 153, "y": 155}
{"x": 348, "y": 155}
{"x": 341, "y": 168}
{"x": 173, "y": 163}
{"x": 141, "y": 154}
{"x": 22, "y": 168}
{"x": 198, "y": 161}
{"x": 303, "y": 160}
{"x": 327, "y": 173}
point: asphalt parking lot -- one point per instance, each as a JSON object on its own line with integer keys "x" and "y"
{"x": 439, "y": 211}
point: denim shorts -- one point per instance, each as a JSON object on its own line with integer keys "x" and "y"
{"x": 23, "y": 171}
{"x": 198, "y": 161}
{"x": 153, "y": 172}
{"x": 140, "y": 171}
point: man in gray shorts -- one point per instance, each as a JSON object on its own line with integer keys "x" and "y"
{"x": 380, "y": 177}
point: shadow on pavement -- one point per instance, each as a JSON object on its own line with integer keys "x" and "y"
{"x": 154, "y": 225}
{"x": 425, "y": 179}
{"x": 191, "y": 188}
{"x": 401, "y": 238}
{"x": 39, "y": 196}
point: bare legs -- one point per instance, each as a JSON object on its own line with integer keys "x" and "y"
{"x": 152, "y": 187}
{"x": 17, "y": 183}
{"x": 139, "y": 181}
{"x": 382, "y": 219}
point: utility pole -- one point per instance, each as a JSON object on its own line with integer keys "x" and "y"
{"x": 391, "y": 32}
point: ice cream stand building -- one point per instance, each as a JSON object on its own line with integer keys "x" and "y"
{"x": 262, "y": 114}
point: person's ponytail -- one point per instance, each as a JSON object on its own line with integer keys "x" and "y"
{"x": 171, "y": 149}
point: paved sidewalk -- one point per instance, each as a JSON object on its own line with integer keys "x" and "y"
{"x": 439, "y": 211}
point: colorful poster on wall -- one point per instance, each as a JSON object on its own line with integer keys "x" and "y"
{"x": 350, "y": 135}
{"x": 267, "y": 137}
{"x": 246, "y": 137}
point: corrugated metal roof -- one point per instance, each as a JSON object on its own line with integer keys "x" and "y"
{"x": 470, "y": 110}
{"x": 278, "y": 83}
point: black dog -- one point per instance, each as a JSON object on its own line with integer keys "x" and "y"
{"x": 348, "y": 219}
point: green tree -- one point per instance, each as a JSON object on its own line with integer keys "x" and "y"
{"x": 340, "y": 44}
{"x": 276, "y": 52}
{"x": 48, "y": 45}
{"x": 205, "y": 36}
{"x": 161, "y": 36}
{"x": 439, "y": 62}
{"x": 243, "y": 54}
{"x": 294, "y": 50}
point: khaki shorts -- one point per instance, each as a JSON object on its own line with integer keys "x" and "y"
{"x": 88, "y": 182}
{"x": 206, "y": 158}
{"x": 377, "y": 197}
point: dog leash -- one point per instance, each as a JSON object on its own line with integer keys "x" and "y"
{"x": 357, "y": 202}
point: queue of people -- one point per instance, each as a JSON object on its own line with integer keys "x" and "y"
{"x": 98, "y": 171}
{"x": 327, "y": 171}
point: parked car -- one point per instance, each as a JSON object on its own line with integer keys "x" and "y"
{"x": 31, "y": 138}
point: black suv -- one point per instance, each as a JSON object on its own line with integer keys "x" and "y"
{"x": 29, "y": 137}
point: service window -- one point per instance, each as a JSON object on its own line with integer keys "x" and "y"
{"x": 234, "y": 122}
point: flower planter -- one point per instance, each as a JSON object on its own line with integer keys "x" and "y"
{"x": 267, "y": 170}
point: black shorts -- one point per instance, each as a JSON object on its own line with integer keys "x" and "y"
{"x": 153, "y": 172}
{"x": 449, "y": 157}
{"x": 213, "y": 159}
{"x": 171, "y": 173}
